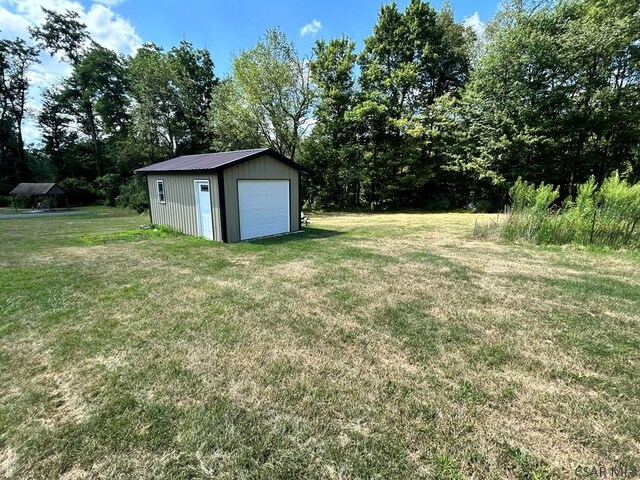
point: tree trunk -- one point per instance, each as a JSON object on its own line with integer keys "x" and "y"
{"x": 20, "y": 170}
{"x": 93, "y": 131}
{"x": 21, "y": 164}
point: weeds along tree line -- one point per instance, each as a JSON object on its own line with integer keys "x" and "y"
{"x": 429, "y": 114}
{"x": 605, "y": 215}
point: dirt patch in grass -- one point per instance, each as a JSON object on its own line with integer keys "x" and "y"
{"x": 67, "y": 404}
{"x": 8, "y": 461}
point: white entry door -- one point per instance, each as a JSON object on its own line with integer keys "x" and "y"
{"x": 203, "y": 209}
{"x": 264, "y": 207}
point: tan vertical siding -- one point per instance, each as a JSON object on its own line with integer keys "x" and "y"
{"x": 179, "y": 209}
{"x": 260, "y": 168}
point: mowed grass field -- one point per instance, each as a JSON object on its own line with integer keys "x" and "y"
{"x": 369, "y": 346}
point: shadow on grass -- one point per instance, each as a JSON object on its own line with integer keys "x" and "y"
{"x": 308, "y": 233}
{"x": 454, "y": 269}
{"x": 587, "y": 286}
{"x": 368, "y": 212}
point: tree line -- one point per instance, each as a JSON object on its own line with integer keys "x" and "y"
{"x": 428, "y": 114}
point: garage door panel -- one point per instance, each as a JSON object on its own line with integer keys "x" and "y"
{"x": 264, "y": 207}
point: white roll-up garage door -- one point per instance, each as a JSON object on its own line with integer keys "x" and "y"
{"x": 264, "y": 207}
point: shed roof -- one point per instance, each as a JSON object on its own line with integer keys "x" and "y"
{"x": 215, "y": 161}
{"x": 37, "y": 189}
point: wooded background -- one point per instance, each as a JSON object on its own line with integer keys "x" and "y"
{"x": 428, "y": 115}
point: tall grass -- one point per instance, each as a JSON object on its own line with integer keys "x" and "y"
{"x": 607, "y": 215}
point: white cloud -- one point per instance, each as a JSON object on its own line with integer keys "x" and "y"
{"x": 31, "y": 10}
{"x": 30, "y": 132}
{"x": 311, "y": 28}
{"x": 104, "y": 25}
{"x": 110, "y": 3}
{"x": 476, "y": 24}
{"x": 12, "y": 25}
{"x": 111, "y": 30}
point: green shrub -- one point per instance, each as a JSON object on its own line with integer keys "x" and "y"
{"x": 107, "y": 188}
{"x": 439, "y": 205}
{"x": 133, "y": 194}
{"x": 483, "y": 205}
{"x": 530, "y": 207}
{"x": 607, "y": 216}
{"x": 22, "y": 201}
{"x": 617, "y": 218}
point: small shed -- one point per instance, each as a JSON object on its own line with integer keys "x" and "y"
{"x": 44, "y": 194}
{"x": 226, "y": 196}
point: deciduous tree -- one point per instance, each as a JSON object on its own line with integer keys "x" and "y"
{"x": 273, "y": 87}
{"x": 16, "y": 57}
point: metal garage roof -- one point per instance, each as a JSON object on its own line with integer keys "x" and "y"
{"x": 215, "y": 161}
{"x": 37, "y": 189}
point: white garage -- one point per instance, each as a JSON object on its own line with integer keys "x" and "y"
{"x": 263, "y": 207}
{"x": 226, "y": 196}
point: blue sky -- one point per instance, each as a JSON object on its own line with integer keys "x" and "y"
{"x": 224, "y": 27}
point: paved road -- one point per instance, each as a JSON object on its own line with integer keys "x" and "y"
{"x": 41, "y": 214}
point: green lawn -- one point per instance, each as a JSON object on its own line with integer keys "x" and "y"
{"x": 370, "y": 346}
